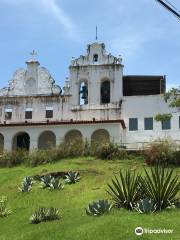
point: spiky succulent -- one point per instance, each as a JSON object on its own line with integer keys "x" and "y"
{"x": 26, "y": 184}
{"x": 98, "y": 208}
{"x": 44, "y": 214}
{"x": 72, "y": 177}
{"x": 145, "y": 206}
{"x": 46, "y": 181}
{"x": 56, "y": 184}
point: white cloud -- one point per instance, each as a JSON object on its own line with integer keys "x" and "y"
{"x": 51, "y": 8}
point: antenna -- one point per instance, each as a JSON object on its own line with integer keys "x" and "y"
{"x": 96, "y": 33}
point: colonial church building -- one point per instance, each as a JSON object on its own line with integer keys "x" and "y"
{"x": 97, "y": 103}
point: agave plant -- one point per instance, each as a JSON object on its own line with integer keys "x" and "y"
{"x": 46, "y": 181}
{"x": 124, "y": 189}
{"x": 44, "y": 214}
{"x": 72, "y": 177}
{"x": 98, "y": 208}
{"x": 4, "y": 211}
{"x": 145, "y": 206}
{"x": 26, "y": 184}
{"x": 162, "y": 186}
{"x": 56, "y": 184}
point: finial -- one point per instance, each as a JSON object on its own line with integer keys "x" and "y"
{"x": 96, "y": 33}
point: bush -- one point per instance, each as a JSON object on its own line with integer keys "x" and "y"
{"x": 98, "y": 208}
{"x": 14, "y": 158}
{"x": 162, "y": 153}
{"x": 109, "y": 151}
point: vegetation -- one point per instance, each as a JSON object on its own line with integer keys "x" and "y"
{"x": 72, "y": 177}
{"x": 173, "y": 98}
{"x": 163, "y": 117}
{"x": 145, "y": 206}
{"x": 98, "y": 208}
{"x": 26, "y": 184}
{"x": 43, "y": 214}
{"x": 161, "y": 186}
{"x": 118, "y": 224}
{"x": 4, "y": 211}
{"x": 124, "y": 190}
{"x": 163, "y": 152}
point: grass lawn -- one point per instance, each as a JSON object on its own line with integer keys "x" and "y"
{"x": 72, "y": 200}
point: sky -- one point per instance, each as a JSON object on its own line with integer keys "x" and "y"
{"x": 145, "y": 34}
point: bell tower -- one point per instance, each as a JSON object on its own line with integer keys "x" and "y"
{"x": 96, "y": 78}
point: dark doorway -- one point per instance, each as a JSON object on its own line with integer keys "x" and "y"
{"x": 23, "y": 141}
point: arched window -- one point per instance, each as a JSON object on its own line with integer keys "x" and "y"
{"x": 95, "y": 58}
{"x": 73, "y": 136}
{"x": 83, "y": 93}
{"x": 105, "y": 92}
{"x": 47, "y": 139}
{"x": 100, "y": 136}
{"x": 21, "y": 141}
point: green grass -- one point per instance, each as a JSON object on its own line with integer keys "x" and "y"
{"x": 72, "y": 200}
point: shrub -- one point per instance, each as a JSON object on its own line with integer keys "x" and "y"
{"x": 44, "y": 214}
{"x": 161, "y": 153}
{"x": 4, "y": 211}
{"x": 98, "y": 208}
{"x": 109, "y": 151}
{"x": 161, "y": 186}
{"x": 14, "y": 158}
{"x": 26, "y": 184}
{"x": 46, "y": 180}
{"x": 124, "y": 189}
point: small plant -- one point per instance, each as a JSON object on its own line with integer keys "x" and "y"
{"x": 145, "y": 206}
{"x": 163, "y": 117}
{"x": 4, "y": 211}
{"x": 98, "y": 208}
{"x": 26, "y": 184}
{"x": 124, "y": 189}
{"x": 56, "y": 184}
{"x": 162, "y": 186}
{"x": 72, "y": 177}
{"x": 46, "y": 181}
{"x": 44, "y": 214}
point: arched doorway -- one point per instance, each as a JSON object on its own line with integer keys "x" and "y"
{"x": 1, "y": 143}
{"x": 105, "y": 92}
{"x": 47, "y": 139}
{"x": 21, "y": 141}
{"x": 100, "y": 136}
{"x": 73, "y": 135}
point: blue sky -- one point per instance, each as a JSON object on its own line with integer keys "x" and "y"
{"x": 144, "y": 33}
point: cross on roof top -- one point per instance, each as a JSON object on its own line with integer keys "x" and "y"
{"x": 33, "y": 53}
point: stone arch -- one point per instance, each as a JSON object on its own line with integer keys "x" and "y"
{"x": 1, "y": 143}
{"x": 105, "y": 91}
{"x": 100, "y": 136}
{"x": 21, "y": 140}
{"x": 47, "y": 139}
{"x": 83, "y": 92}
{"x": 73, "y": 135}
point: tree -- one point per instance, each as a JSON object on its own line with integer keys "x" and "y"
{"x": 172, "y": 97}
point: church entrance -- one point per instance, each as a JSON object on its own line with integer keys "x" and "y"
{"x": 21, "y": 141}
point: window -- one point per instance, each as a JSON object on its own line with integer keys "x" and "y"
{"x": 105, "y": 92}
{"x": 148, "y": 123}
{"x": 166, "y": 124}
{"x": 49, "y": 112}
{"x": 83, "y": 93}
{"x": 133, "y": 124}
{"x": 8, "y": 113}
{"x": 95, "y": 58}
{"x": 179, "y": 121}
{"x": 28, "y": 113}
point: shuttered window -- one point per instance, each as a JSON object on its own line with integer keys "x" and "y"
{"x": 166, "y": 124}
{"x": 148, "y": 123}
{"x": 133, "y": 124}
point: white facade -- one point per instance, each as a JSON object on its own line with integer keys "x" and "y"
{"x": 36, "y": 113}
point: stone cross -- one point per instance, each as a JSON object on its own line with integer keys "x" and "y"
{"x": 33, "y": 53}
